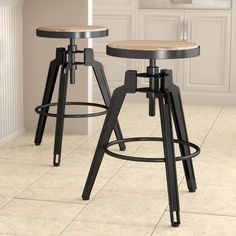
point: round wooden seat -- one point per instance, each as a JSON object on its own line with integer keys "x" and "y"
{"x": 72, "y": 31}
{"x": 153, "y": 49}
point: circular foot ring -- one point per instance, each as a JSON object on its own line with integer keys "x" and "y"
{"x": 146, "y": 159}
{"x": 40, "y": 109}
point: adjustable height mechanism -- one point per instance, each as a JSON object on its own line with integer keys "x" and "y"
{"x": 72, "y": 49}
{"x": 152, "y": 72}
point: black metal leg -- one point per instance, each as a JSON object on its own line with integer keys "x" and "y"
{"x": 60, "y": 115}
{"x": 109, "y": 123}
{"x": 171, "y": 176}
{"x": 48, "y": 92}
{"x": 181, "y": 130}
{"x": 104, "y": 88}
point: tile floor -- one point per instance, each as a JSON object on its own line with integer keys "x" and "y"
{"x": 129, "y": 198}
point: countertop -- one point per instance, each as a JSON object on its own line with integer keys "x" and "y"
{"x": 196, "y": 4}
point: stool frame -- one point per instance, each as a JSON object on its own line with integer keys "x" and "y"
{"x": 65, "y": 61}
{"x": 170, "y": 105}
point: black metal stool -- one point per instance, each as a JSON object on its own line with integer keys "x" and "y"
{"x": 66, "y": 60}
{"x": 161, "y": 87}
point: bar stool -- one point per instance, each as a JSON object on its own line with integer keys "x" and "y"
{"x": 66, "y": 60}
{"x": 160, "y": 87}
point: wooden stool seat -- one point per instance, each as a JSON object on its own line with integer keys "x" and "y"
{"x": 72, "y": 31}
{"x": 153, "y": 49}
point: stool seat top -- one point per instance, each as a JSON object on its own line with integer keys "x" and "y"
{"x": 153, "y": 49}
{"x": 72, "y": 31}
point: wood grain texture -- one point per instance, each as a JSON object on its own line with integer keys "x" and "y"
{"x": 72, "y": 28}
{"x": 153, "y": 45}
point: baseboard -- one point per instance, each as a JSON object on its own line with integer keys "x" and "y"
{"x": 12, "y": 135}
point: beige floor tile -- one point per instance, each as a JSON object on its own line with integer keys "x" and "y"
{"x": 59, "y": 187}
{"x": 23, "y": 217}
{"x": 227, "y": 117}
{"x": 134, "y": 180}
{"x": 223, "y": 132}
{"x": 10, "y": 235}
{"x": 132, "y": 202}
{"x": 28, "y": 153}
{"x": 11, "y": 145}
{"x": 220, "y": 147}
{"x": 197, "y": 225}
{"x": 195, "y": 113}
{"x": 80, "y": 165}
{"x": 15, "y": 178}
{"x": 151, "y": 150}
{"x": 199, "y": 120}
{"x": 125, "y": 208}
{"x": 209, "y": 199}
{"x": 137, "y": 127}
{"x": 4, "y": 200}
{"x": 95, "y": 229}
{"x": 214, "y": 172}
{"x": 224, "y": 153}
{"x": 220, "y": 154}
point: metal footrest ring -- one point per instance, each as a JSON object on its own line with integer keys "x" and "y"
{"x": 147, "y": 159}
{"x": 39, "y": 110}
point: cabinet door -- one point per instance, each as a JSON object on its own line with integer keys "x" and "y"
{"x": 163, "y": 25}
{"x": 209, "y": 71}
{"x": 121, "y": 25}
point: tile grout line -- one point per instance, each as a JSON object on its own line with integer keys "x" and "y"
{"x": 208, "y": 214}
{"x": 68, "y": 224}
{"x": 136, "y": 149}
{"x": 85, "y": 205}
{"x": 15, "y": 196}
{"x": 44, "y": 173}
{"x": 211, "y": 127}
{"x": 114, "y": 223}
{"x": 207, "y": 135}
{"x": 103, "y": 186}
{"x": 2, "y": 156}
{"x": 49, "y": 168}
{"x": 5, "y": 203}
{"x": 47, "y": 200}
{"x": 159, "y": 220}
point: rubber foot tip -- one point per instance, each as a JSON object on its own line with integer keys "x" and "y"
{"x": 56, "y": 164}
{"x": 192, "y": 190}
{"x": 122, "y": 146}
{"x": 85, "y": 198}
{"x": 175, "y": 224}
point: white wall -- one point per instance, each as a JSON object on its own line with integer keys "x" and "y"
{"x": 11, "y": 69}
{"x": 38, "y": 52}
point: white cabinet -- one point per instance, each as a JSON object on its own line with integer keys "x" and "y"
{"x": 167, "y": 25}
{"x": 208, "y": 78}
{"x": 210, "y": 71}
{"x": 210, "y": 29}
{"x": 119, "y": 17}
